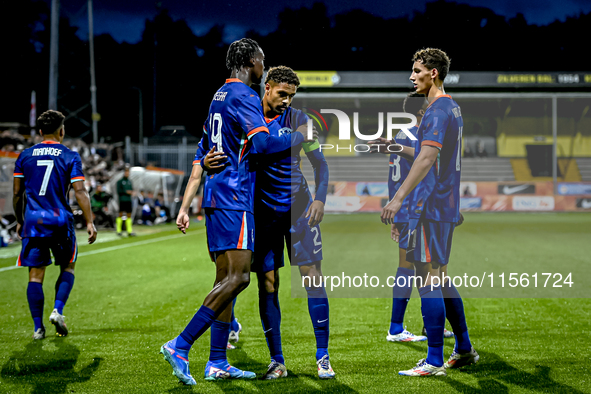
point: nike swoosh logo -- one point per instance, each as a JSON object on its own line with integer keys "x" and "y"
{"x": 322, "y": 321}
{"x": 267, "y": 330}
{"x": 316, "y": 251}
{"x": 585, "y": 204}
{"x": 514, "y": 189}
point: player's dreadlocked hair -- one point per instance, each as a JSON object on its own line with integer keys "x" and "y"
{"x": 50, "y": 121}
{"x": 240, "y": 53}
{"x": 282, "y": 74}
{"x": 433, "y": 58}
{"x": 413, "y": 103}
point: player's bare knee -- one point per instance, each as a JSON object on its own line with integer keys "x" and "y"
{"x": 239, "y": 281}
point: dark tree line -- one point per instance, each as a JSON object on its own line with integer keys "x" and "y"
{"x": 178, "y": 71}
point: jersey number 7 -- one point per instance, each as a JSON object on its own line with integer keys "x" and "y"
{"x": 49, "y": 165}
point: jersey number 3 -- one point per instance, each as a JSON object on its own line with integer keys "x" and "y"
{"x": 396, "y": 169}
{"x": 49, "y": 165}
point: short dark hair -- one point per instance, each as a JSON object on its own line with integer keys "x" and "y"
{"x": 433, "y": 58}
{"x": 50, "y": 122}
{"x": 413, "y": 103}
{"x": 240, "y": 53}
{"x": 282, "y": 74}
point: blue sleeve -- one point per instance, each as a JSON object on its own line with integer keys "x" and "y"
{"x": 250, "y": 116}
{"x": 265, "y": 143}
{"x": 76, "y": 173}
{"x": 320, "y": 173}
{"x": 202, "y": 149}
{"x": 18, "y": 169}
{"x": 436, "y": 122}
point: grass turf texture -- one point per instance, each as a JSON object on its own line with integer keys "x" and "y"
{"x": 127, "y": 301}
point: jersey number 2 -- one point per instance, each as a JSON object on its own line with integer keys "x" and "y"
{"x": 49, "y": 165}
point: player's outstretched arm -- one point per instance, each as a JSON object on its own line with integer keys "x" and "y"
{"x": 18, "y": 203}
{"x": 265, "y": 143}
{"x": 418, "y": 171}
{"x": 182, "y": 220}
{"x": 84, "y": 203}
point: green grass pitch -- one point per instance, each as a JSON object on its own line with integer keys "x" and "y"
{"x": 132, "y": 295}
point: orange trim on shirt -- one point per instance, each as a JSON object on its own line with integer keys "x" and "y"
{"x": 258, "y": 129}
{"x": 431, "y": 143}
{"x": 239, "y": 246}
{"x": 196, "y": 162}
{"x": 437, "y": 98}
{"x": 18, "y": 173}
{"x": 270, "y": 120}
{"x": 230, "y": 80}
{"x": 78, "y": 178}
{"x": 49, "y": 142}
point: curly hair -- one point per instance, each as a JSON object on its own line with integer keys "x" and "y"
{"x": 50, "y": 121}
{"x": 433, "y": 58}
{"x": 413, "y": 103}
{"x": 240, "y": 53}
{"x": 282, "y": 74}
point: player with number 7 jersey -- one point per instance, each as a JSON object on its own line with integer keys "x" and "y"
{"x": 44, "y": 175}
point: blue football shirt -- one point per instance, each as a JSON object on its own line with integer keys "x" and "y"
{"x": 438, "y": 194}
{"x": 48, "y": 170}
{"x": 235, "y": 116}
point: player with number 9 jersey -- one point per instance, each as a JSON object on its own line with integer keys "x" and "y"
{"x": 48, "y": 169}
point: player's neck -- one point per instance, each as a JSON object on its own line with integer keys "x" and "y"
{"x": 51, "y": 139}
{"x": 244, "y": 75}
{"x": 434, "y": 92}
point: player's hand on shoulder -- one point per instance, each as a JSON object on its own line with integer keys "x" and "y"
{"x": 182, "y": 221}
{"x": 92, "y": 233}
{"x": 394, "y": 233}
{"x": 214, "y": 160}
{"x": 304, "y": 130}
{"x": 315, "y": 213}
{"x": 381, "y": 146}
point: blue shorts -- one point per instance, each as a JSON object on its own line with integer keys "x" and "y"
{"x": 228, "y": 230}
{"x": 276, "y": 229}
{"x": 403, "y": 230}
{"x": 429, "y": 242}
{"x": 35, "y": 251}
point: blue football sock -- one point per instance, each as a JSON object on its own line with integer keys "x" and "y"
{"x": 196, "y": 327}
{"x": 233, "y": 321}
{"x": 270, "y": 313}
{"x": 63, "y": 287}
{"x": 454, "y": 311}
{"x": 219, "y": 340}
{"x": 36, "y": 300}
{"x": 318, "y": 309}
{"x": 433, "y": 309}
{"x": 400, "y": 296}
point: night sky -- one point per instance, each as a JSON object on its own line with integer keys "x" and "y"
{"x": 125, "y": 19}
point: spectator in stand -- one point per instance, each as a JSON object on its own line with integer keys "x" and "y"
{"x": 145, "y": 201}
{"x": 100, "y": 208}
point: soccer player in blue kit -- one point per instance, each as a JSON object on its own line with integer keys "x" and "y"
{"x": 434, "y": 213}
{"x": 44, "y": 174}
{"x": 235, "y": 124}
{"x": 286, "y": 214}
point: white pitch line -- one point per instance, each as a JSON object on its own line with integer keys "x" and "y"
{"x": 118, "y": 247}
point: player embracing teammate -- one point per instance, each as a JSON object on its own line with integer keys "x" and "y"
{"x": 234, "y": 126}
{"x": 434, "y": 212}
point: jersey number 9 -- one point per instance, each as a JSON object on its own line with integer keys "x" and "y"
{"x": 215, "y": 125}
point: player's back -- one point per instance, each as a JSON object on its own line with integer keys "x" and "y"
{"x": 399, "y": 169}
{"x": 441, "y": 127}
{"x": 235, "y": 115}
{"x": 48, "y": 170}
